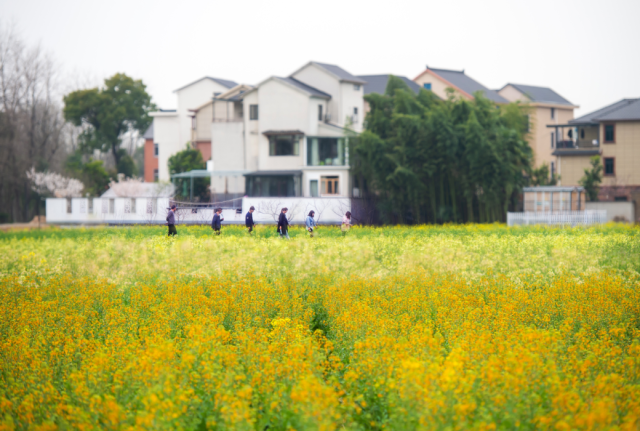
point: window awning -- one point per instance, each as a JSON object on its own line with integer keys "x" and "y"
{"x": 273, "y": 173}
{"x": 283, "y": 132}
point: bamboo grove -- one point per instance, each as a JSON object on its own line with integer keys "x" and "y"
{"x": 422, "y": 159}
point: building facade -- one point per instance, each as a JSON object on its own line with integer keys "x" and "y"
{"x": 546, "y": 108}
{"x": 613, "y": 133}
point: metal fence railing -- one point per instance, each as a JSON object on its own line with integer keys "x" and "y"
{"x": 570, "y": 218}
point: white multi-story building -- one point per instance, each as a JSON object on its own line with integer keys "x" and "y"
{"x": 287, "y": 136}
{"x": 172, "y": 128}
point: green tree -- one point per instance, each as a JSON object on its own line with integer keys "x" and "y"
{"x": 541, "y": 176}
{"x": 423, "y": 159}
{"x": 184, "y": 161}
{"x": 121, "y": 106}
{"x": 592, "y": 178}
{"x": 93, "y": 174}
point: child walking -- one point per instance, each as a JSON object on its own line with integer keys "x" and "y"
{"x": 346, "y": 223}
{"x": 216, "y": 223}
{"x": 310, "y": 223}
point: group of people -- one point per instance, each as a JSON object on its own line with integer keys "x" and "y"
{"x": 283, "y": 222}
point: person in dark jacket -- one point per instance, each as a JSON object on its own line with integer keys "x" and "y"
{"x": 171, "y": 221}
{"x": 248, "y": 220}
{"x": 216, "y": 223}
{"x": 283, "y": 224}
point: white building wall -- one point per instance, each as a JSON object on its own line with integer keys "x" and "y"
{"x": 252, "y": 132}
{"x": 328, "y": 211}
{"x": 166, "y": 135}
{"x": 352, "y": 98}
{"x": 227, "y": 146}
{"x": 281, "y": 108}
{"x": 317, "y": 173}
{"x": 320, "y": 79}
{"x": 192, "y": 97}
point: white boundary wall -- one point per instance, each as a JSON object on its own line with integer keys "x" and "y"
{"x": 571, "y": 218}
{"x": 154, "y": 211}
{"x": 622, "y": 210}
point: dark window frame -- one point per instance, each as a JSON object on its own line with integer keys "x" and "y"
{"x": 613, "y": 166}
{"x": 254, "y": 113}
{"x": 320, "y": 112}
{"x": 604, "y": 133}
{"x": 427, "y": 86}
{"x": 276, "y": 145}
{"x": 156, "y": 149}
{"x": 553, "y": 113}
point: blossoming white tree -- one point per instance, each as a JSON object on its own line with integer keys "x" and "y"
{"x": 50, "y": 183}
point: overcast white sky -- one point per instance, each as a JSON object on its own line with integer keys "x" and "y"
{"x": 588, "y": 51}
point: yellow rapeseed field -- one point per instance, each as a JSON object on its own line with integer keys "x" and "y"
{"x": 443, "y": 328}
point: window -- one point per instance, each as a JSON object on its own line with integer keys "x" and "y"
{"x": 326, "y": 151}
{"x": 620, "y": 199}
{"x": 427, "y": 86}
{"x": 284, "y": 145}
{"x": 155, "y": 150}
{"x": 253, "y": 112}
{"x": 609, "y": 133}
{"x": 151, "y": 206}
{"x": 553, "y": 169}
{"x": 155, "y": 175}
{"x": 319, "y": 112}
{"x": 330, "y": 185}
{"x": 313, "y": 188}
{"x": 609, "y": 166}
{"x": 581, "y": 133}
{"x": 553, "y": 139}
{"x": 553, "y": 113}
{"x": 356, "y": 87}
{"x": 355, "y": 115}
{"x": 194, "y": 122}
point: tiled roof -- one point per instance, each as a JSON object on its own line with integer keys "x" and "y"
{"x": 224, "y": 82}
{"x": 625, "y": 109}
{"x": 149, "y": 133}
{"x": 378, "y": 83}
{"x": 304, "y": 87}
{"x": 467, "y": 84}
{"x": 541, "y": 94}
{"x": 342, "y": 74}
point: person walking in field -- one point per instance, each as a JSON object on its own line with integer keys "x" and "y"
{"x": 216, "y": 223}
{"x": 283, "y": 224}
{"x": 171, "y": 221}
{"x": 248, "y": 220}
{"x": 310, "y": 223}
{"x": 346, "y": 223}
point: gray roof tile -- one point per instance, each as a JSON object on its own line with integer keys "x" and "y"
{"x": 625, "y": 109}
{"x": 541, "y": 94}
{"x": 149, "y": 133}
{"x": 224, "y": 82}
{"x": 467, "y": 84}
{"x": 378, "y": 83}
{"x": 342, "y": 74}
{"x": 307, "y": 88}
